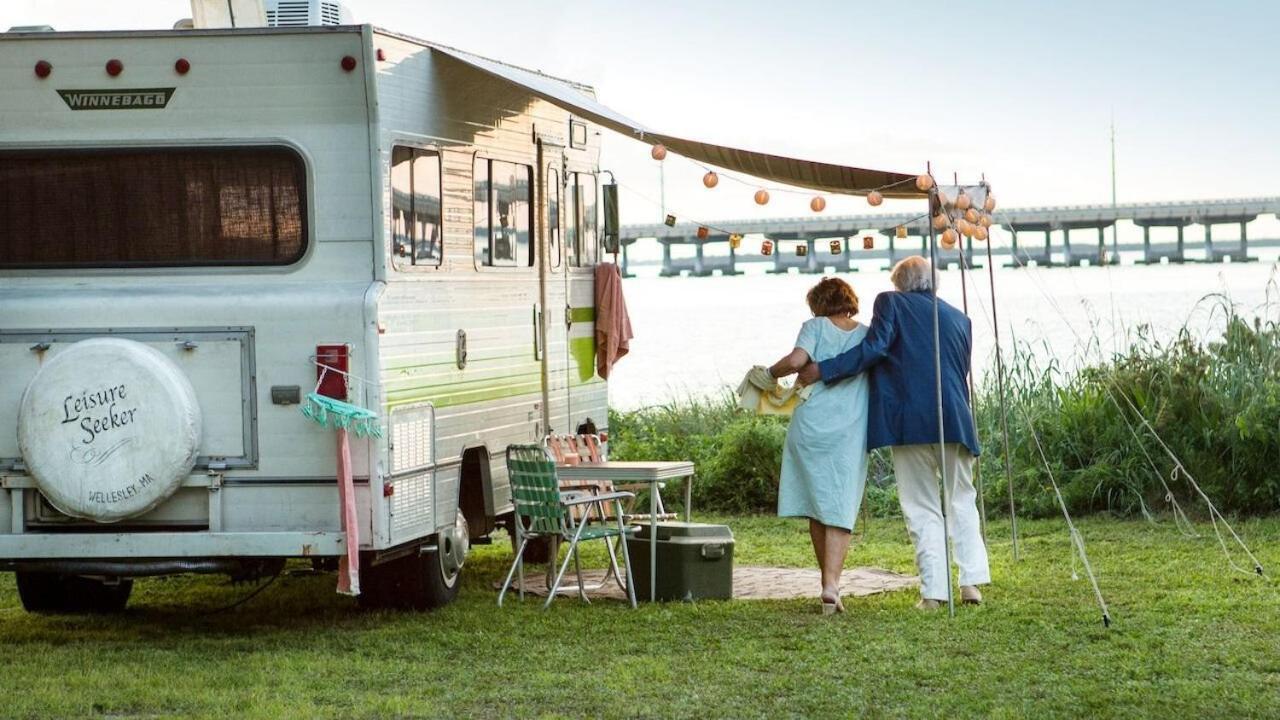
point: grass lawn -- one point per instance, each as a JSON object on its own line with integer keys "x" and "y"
{"x": 1191, "y": 639}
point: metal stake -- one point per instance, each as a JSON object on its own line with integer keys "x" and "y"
{"x": 937, "y": 377}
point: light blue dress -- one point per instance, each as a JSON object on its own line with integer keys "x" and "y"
{"x": 824, "y": 461}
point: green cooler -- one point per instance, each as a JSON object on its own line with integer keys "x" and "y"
{"x": 695, "y": 561}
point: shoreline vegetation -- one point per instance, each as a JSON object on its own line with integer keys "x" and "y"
{"x": 1214, "y": 404}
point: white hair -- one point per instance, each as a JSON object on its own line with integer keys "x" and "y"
{"x": 912, "y": 274}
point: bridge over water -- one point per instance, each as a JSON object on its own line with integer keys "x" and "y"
{"x": 1032, "y": 229}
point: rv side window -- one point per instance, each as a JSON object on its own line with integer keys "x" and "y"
{"x": 503, "y": 213}
{"x": 170, "y": 207}
{"x": 415, "y": 207}
{"x": 553, "y": 215}
{"x": 582, "y": 214}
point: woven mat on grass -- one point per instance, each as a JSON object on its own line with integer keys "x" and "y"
{"x": 750, "y": 583}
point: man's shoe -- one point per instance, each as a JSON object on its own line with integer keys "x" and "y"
{"x": 927, "y": 604}
{"x": 970, "y": 595}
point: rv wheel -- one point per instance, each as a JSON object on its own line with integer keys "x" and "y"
{"x": 53, "y": 593}
{"x": 420, "y": 580}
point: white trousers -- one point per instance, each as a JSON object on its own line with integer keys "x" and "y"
{"x": 916, "y": 470}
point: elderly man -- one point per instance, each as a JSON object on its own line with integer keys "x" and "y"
{"x": 898, "y": 352}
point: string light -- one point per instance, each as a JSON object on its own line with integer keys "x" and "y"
{"x": 835, "y": 247}
{"x": 963, "y": 201}
{"x": 868, "y": 242}
{"x": 980, "y": 233}
{"x": 818, "y": 204}
{"x": 766, "y": 247}
{"x": 802, "y": 250}
{"x": 762, "y": 197}
{"x": 900, "y": 231}
{"x": 710, "y": 179}
{"x": 703, "y": 232}
{"x": 658, "y": 152}
{"x": 949, "y": 238}
{"x": 924, "y": 182}
{"x": 971, "y": 215}
{"x": 670, "y": 221}
{"x": 735, "y": 241}
{"x": 990, "y": 203}
{"x": 940, "y": 222}
{"x": 874, "y": 198}
{"x": 943, "y": 198}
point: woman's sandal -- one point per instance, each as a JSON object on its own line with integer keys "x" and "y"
{"x": 831, "y": 607}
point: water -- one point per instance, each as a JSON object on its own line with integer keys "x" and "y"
{"x": 694, "y": 336}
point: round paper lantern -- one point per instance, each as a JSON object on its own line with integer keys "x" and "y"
{"x": 658, "y": 152}
{"x": 980, "y": 233}
{"x": 762, "y": 197}
{"x": 961, "y": 224}
{"x": 968, "y": 230}
{"x": 939, "y": 222}
{"x": 703, "y": 232}
{"x": 710, "y": 179}
{"x": 818, "y": 204}
{"x": 971, "y": 215}
{"x": 949, "y": 238}
{"x": 923, "y": 182}
{"x": 990, "y": 203}
{"x": 985, "y": 221}
{"x": 874, "y": 198}
{"x": 962, "y": 201}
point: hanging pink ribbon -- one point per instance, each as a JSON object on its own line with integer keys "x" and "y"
{"x": 348, "y": 564}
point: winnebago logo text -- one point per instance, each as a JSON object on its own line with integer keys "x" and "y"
{"x": 140, "y": 99}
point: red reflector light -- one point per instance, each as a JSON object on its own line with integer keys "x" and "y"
{"x": 348, "y": 63}
{"x": 43, "y": 69}
{"x": 182, "y": 67}
{"x": 114, "y": 67}
{"x": 382, "y": 57}
{"x": 388, "y": 489}
{"x": 332, "y": 364}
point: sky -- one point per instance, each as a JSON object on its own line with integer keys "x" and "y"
{"x": 1023, "y": 91}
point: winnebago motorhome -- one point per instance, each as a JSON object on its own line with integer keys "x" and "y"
{"x": 196, "y": 224}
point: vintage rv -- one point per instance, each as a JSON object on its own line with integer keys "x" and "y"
{"x": 192, "y": 220}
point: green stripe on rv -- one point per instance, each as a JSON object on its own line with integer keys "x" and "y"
{"x": 582, "y": 314}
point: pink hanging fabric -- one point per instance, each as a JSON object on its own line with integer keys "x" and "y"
{"x": 348, "y": 564}
{"x": 613, "y": 324}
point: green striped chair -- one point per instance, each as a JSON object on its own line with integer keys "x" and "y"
{"x": 541, "y": 510}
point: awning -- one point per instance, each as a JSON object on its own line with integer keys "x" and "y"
{"x": 811, "y": 174}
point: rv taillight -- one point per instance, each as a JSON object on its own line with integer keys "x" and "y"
{"x": 348, "y": 63}
{"x": 382, "y": 57}
{"x": 182, "y": 67}
{"x": 43, "y": 69}
{"x": 333, "y": 362}
{"x": 114, "y": 67}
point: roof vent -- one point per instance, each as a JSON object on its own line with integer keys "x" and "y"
{"x": 31, "y": 28}
{"x": 227, "y": 13}
{"x": 301, "y": 13}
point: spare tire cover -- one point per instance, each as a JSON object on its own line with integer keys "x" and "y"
{"x": 109, "y": 428}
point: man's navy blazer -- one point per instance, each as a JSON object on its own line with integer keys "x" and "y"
{"x": 898, "y": 356}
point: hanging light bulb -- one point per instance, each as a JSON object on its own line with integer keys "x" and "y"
{"x": 980, "y": 233}
{"x": 990, "y": 203}
{"x": 766, "y": 247}
{"x": 963, "y": 201}
{"x": 818, "y": 203}
{"x": 969, "y": 229}
{"x": 658, "y": 152}
{"x": 923, "y": 183}
{"x": 762, "y": 197}
{"x": 985, "y": 221}
{"x": 835, "y": 247}
{"x": 710, "y": 179}
{"x": 971, "y": 215}
{"x": 735, "y": 241}
{"x": 874, "y": 198}
{"x": 949, "y": 238}
{"x": 940, "y": 222}
{"x": 961, "y": 224}
{"x": 868, "y": 242}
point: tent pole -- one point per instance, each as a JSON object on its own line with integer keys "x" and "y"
{"x": 937, "y": 378}
{"x": 1004, "y": 406}
{"x": 977, "y": 466}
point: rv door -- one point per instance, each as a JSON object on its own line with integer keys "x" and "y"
{"x": 555, "y": 358}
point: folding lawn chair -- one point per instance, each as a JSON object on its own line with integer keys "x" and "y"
{"x": 539, "y": 505}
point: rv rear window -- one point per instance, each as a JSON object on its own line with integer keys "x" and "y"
{"x": 163, "y": 207}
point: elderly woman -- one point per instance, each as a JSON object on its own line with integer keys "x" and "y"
{"x": 824, "y": 461}
{"x": 899, "y": 356}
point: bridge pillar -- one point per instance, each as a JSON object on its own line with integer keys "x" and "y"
{"x": 625, "y": 262}
{"x": 699, "y": 267}
{"x": 667, "y": 269}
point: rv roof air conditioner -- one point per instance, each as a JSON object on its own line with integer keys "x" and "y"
{"x": 300, "y": 13}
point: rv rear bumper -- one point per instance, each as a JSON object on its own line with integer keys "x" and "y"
{"x": 32, "y": 546}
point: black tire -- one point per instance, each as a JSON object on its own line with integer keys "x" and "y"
{"x": 54, "y": 593}
{"x": 419, "y": 580}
